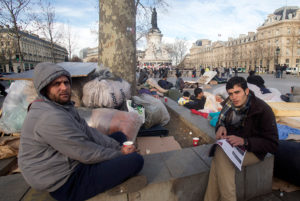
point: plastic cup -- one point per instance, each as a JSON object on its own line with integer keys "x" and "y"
{"x": 195, "y": 141}
{"x": 166, "y": 99}
{"x": 127, "y": 143}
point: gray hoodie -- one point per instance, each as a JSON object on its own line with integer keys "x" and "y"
{"x": 55, "y": 139}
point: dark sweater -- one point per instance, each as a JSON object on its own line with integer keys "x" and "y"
{"x": 196, "y": 104}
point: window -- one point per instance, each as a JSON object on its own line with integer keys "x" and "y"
{"x": 297, "y": 62}
{"x": 288, "y": 41}
{"x": 287, "y": 51}
{"x": 276, "y": 42}
{"x": 289, "y": 30}
{"x": 298, "y": 41}
{"x": 277, "y": 32}
{"x": 298, "y": 51}
{"x": 287, "y": 62}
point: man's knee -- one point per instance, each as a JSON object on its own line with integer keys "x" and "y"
{"x": 139, "y": 161}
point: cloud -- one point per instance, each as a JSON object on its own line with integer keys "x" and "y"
{"x": 194, "y": 19}
{"x": 188, "y": 19}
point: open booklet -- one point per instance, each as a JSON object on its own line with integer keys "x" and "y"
{"x": 235, "y": 154}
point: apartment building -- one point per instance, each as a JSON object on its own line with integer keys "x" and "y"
{"x": 277, "y": 41}
{"x": 33, "y": 49}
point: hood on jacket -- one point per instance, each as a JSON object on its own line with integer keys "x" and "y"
{"x": 45, "y": 73}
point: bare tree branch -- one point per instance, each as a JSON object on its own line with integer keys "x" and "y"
{"x": 13, "y": 17}
{"x": 45, "y": 22}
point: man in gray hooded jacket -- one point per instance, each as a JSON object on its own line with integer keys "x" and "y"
{"x": 60, "y": 153}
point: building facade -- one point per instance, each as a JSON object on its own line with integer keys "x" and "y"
{"x": 277, "y": 41}
{"x": 92, "y": 55}
{"x": 33, "y": 49}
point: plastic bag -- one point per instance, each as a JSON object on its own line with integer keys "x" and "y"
{"x": 14, "y": 108}
{"x": 108, "y": 121}
{"x": 155, "y": 111}
{"x": 105, "y": 93}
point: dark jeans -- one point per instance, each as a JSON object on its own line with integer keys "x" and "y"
{"x": 89, "y": 180}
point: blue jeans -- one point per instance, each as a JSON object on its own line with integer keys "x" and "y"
{"x": 89, "y": 180}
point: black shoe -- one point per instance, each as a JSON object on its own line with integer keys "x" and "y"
{"x": 131, "y": 185}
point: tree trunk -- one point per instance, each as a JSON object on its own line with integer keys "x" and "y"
{"x": 117, "y": 44}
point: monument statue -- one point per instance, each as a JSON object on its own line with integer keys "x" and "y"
{"x": 154, "y": 19}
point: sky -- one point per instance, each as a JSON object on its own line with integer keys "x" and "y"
{"x": 184, "y": 19}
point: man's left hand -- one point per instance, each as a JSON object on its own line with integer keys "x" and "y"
{"x": 235, "y": 140}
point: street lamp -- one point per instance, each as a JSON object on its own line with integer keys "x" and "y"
{"x": 277, "y": 54}
{"x": 277, "y": 69}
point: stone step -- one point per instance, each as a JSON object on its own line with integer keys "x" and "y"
{"x": 12, "y": 187}
{"x": 6, "y": 164}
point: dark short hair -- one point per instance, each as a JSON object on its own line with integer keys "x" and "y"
{"x": 239, "y": 81}
{"x": 165, "y": 75}
{"x": 197, "y": 91}
{"x": 178, "y": 74}
{"x": 186, "y": 94}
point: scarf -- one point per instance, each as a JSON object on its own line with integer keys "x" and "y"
{"x": 236, "y": 116}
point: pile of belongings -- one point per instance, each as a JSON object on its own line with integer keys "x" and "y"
{"x": 100, "y": 99}
{"x": 152, "y": 88}
{"x": 207, "y": 77}
{"x": 191, "y": 84}
{"x": 274, "y": 96}
{"x": 287, "y": 163}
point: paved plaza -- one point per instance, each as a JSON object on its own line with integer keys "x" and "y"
{"x": 282, "y": 84}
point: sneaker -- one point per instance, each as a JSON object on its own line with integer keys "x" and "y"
{"x": 131, "y": 185}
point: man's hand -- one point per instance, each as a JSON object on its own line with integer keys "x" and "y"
{"x": 128, "y": 149}
{"x": 235, "y": 140}
{"x": 221, "y": 133}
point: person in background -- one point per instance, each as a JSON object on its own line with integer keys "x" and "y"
{"x": 163, "y": 83}
{"x": 179, "y": 82}
{"x": 185, "y": 98}
{"x": 61, "y": 154}
{"x": 143, "y": 76}
{"x": 247, "y": 122}
{"x": 258, "y": 81}
{"x": 202, "y": 71}
{"x": 198, "y": 102}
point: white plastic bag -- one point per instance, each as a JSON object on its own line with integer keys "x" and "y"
{"x": 155, "y": 111}
{"x": 15, "y": 104}
{"x": 105, "y": 93}
{"x": 108, "y": 121}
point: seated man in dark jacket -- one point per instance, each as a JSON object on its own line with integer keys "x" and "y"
{"x": 245, "y": 121}
{"x": 198, "y": 102}
{"x": 164, "y": 83}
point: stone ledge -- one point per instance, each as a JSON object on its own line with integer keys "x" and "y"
{"x": 197, "y": 123}
{"x": 6, "y": 164}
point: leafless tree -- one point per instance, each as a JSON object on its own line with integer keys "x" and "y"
{"x": 70, "y": 40}
{"x": 46, "y": 23}
{"x": 177, "y": 50}
{"x": 75, "y": 58}
{"x": 13, "y": 17}
{"x": 143, "y": 11}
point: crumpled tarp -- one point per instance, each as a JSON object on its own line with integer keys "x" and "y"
{"x": 284, "y": 131}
